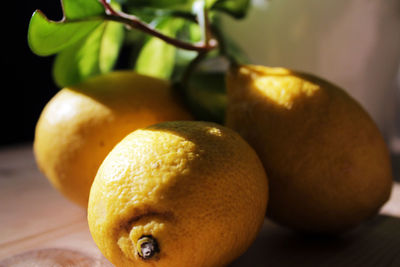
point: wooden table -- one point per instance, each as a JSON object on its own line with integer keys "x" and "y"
{"x": 36, "y": 220}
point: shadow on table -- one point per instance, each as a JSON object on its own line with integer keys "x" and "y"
{"x": 376, "y": 243}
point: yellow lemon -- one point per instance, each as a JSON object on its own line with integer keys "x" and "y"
{"x": 328, "y": 165}
{"x": 178, "y": 194}
{"x": 82, "y": 123}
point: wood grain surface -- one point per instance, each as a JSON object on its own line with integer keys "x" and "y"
{"x": 39, "y": 227}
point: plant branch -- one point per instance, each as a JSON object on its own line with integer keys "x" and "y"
{"x": 135, "y": 23}
{"x": 109, "y": 9}
{"x": 204, "y": 22}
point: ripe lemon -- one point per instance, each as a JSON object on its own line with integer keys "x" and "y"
{"x": 178, "y": 194}
{"x": 82, "y": 123}
{"x": 328, "y": 165}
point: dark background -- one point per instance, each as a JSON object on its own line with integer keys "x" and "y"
{"x": 27, "y": 81}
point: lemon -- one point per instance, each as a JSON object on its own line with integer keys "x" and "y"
{"x": 186, "y": 193}
{"x": 328, "y": 165}
{"x": 82, "y": 123}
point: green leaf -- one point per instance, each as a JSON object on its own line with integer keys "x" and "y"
{"x": 210, "y": 3}
{"x": 157, "y": 58}
{"x": 235, "y": 8}
{"x": 154, "y": 3}
{"x": 93, "y": 55}
{"x": 190, "y": 31}
{"x": 46, "y": 37}
{"x": 110, "y": 45}
{"x": 234, "y": 51}
{"x": 85, "y": 44}
{"x": 195, "y": 32}
{"x": 206, "y": 96}
{"x": 81, "y": 9}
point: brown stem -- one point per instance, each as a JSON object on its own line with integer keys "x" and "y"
{"x": 147, "y": 247}
{"x": 134, "y": 22}
{"x": 109, "y": 9}
{"x": 206, "y": 27}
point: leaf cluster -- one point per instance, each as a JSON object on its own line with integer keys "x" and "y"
{"x": 88, "y": 40}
